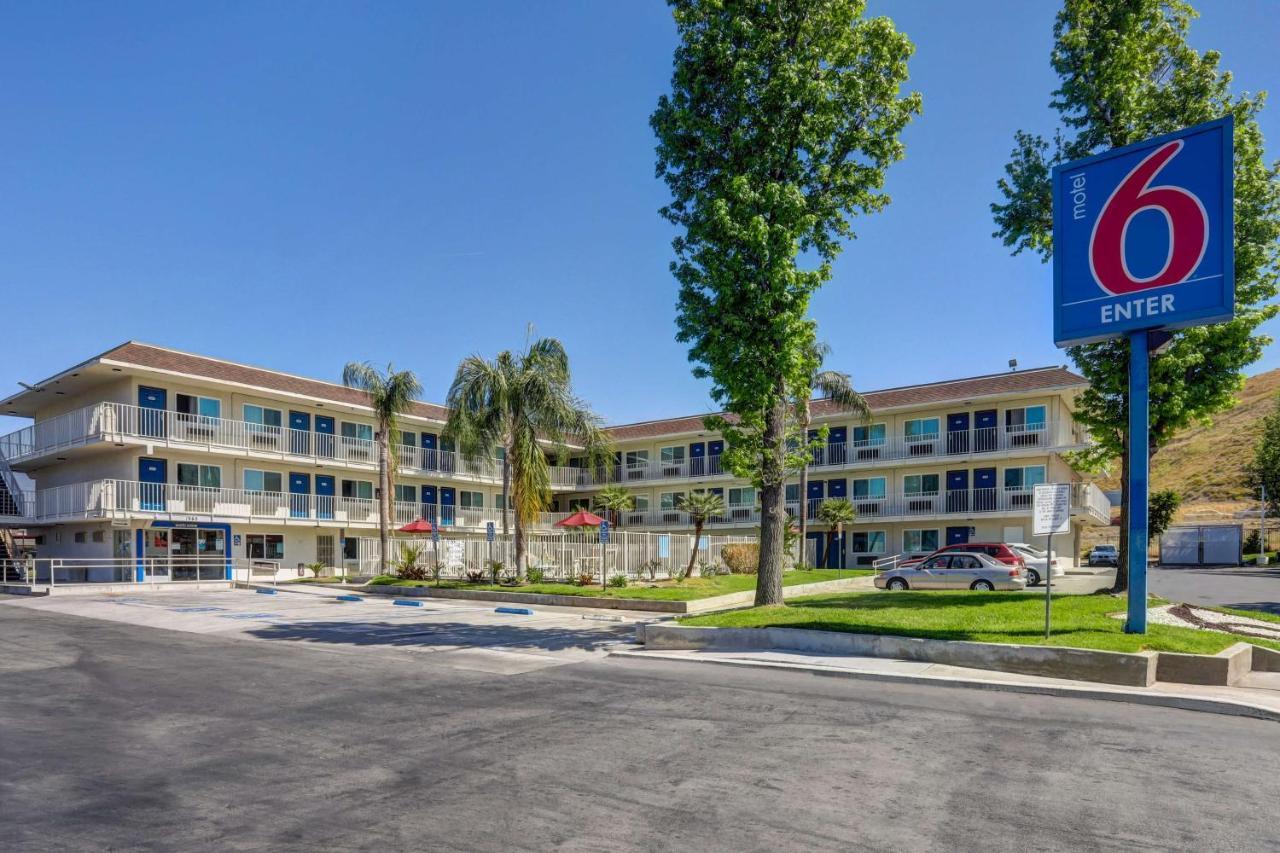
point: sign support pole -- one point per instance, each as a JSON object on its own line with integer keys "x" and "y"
{"x": 1139, "y": 367}
{"x": 1048, "y": 585}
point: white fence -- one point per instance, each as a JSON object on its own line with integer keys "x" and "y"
{"x": 638, "y": 556}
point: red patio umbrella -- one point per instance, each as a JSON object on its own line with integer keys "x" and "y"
{"x": 419, "y": 526}
{"x": 581, "y": 518}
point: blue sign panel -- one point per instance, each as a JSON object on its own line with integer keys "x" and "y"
{"x": 488, "y": 531}
{"x": 1142, "y": 237}
{"x": 604, "y": 531}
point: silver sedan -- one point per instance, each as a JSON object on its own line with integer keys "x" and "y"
{"x": 954, "y": 571}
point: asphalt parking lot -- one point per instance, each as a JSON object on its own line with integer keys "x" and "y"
{"x": 285, "y": 734}
{"x": 468, "y": 635}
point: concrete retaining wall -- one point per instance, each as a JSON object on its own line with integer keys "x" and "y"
{"x": 1265, "y": 660}
{"x": 1138, "y": 669}
{"x": 1225, "y": 668}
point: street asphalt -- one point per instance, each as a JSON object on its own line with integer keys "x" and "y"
{"x": 122, "y": 736}
{"x": 1248, "y": 587}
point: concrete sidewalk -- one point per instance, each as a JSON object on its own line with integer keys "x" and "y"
{"x": 1259, "y": 696}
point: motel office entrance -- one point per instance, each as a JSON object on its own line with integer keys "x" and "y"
{"x": 180, "y": 552}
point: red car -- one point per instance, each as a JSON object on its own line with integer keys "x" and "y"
{"x": 995, "y": 550}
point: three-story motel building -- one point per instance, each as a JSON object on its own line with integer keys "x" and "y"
{"x": 145, "y": 451}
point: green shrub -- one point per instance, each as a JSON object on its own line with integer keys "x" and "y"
{"x": 586, "y": 579}
{"x": 743, "y": 559}
{"x": 534, "y": 574}
{"x": 316, "y": 568}
{"x": 476, "y": 577}
{"x": 1253, "y": 543}
{"x": 618, "y": 581}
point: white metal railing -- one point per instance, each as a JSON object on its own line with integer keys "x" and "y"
{"x": 105, "y": 421}
{"x": 1048, "y": 436}
{"x": 58, "y": 571}
{"x": 1092, "y": 500}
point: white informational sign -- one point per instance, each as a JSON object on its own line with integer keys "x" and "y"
{"x": 1052, "y": 513}
{"x": 454, "y": 553}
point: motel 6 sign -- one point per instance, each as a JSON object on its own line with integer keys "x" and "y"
{"x": 1142, "y": 237}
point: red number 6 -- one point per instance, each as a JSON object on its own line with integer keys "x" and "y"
{"x": 1185, "y": 215}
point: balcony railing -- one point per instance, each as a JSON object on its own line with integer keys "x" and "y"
{"x": 1047, "y": 436}
{"x": 109, "y": 421}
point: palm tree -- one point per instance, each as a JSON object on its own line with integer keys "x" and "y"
{"x": 390, "y": 396}
{"x": 520, "y": 402}
{"x": 836, "y": 513}
{"x": 615, "y": 500}
{"x": 836, "y": 387}
{"x": 701, "y": 506}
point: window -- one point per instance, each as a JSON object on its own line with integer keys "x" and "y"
{"x": 670, "y": 500}
{"x": 99, "y": 536}
{"x": 642, "y": 503}
{"x": 868, "y": 542}
{"x": 1026, "y": 419}
{"x": 576, "y": 504}
{"x": 921, "y": 429}
{"x": 210, "y": 476}
{"x": 262, "y": 416}
{"x": 409, "y": 439}
{"x": 745, "y": 496}
{"x": 868, "y": 435}
{"x": 79, "y": 536}
{"x": 1023, "y": 478}
{"x": 500, "y": 501}
{"x": 351, "y": 548}
{"x": 408, "y": 494}
{"x": 792, "y": 494}
{"x": 205, "y": 407}
{"x": 673, "y": 455}
{"x": 915, "y": 541}
{"x": 364, "y": 432}
{"x": 868, "y": 488}
{"x": 262, "y": 481}
{"x": 362, "y": 489}
{"x": 920, "y": 484}
{"x": 471, "y": 500}
{"x": 264, "y": 546}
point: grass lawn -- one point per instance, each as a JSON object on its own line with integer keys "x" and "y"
{"x": 315, "y": 580}
{"x": 1082, "y": 621}
{"x": 691, "y": 589}
{"x": 1261, "y": 615}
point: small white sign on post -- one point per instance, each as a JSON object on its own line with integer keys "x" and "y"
{"x": 1052, "y": 509}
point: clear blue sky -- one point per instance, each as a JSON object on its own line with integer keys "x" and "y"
{"x": 299, "y": 184}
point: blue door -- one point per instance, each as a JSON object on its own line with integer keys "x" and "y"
{"x": 835, "y": 551}
{"x": 430, "y": 460}
{"x": 299, "y": 495}
{"x": 446, "y": 505}
{"x": 984, "y": 430}
{"x": 151, "y": 415}
{"x": 816, "y": 492}
{"x": 324, "y": 496}
{"x": 714, "y": 449}
{"x": 958, "y": 491}
{"x": 957, "y": 535}
{"x": 837, "y": 438}
{"x": 697, "y": 459}
{"x": 429, "y": 503}
{"x": 152, "y": 475}
{"x": 958, "y": 432}
{"x": 984, "y": 489}
{"x": 300, "y": 433}
{"x": 838, "y": 488}
{"x": 817, "y": 452}
{"x": 324, "y": 436}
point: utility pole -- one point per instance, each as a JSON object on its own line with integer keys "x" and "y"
{"x": 1262, "y": 530}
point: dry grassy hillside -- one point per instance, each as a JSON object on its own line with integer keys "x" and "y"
{"x": 1206, "y": 464}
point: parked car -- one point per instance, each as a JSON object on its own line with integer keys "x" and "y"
{"x": 996, "y": 550}
{"x": 1104, "y": 555}
{"x": 954, "y": 571}
{"x": 1036, "y": 561}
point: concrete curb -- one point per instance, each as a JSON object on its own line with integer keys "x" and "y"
{"x": 1136, "y": 669}
{"x": 1223, "y": 669}
{"x": 646, "y": 605}
{"x": 1203, "y": 704}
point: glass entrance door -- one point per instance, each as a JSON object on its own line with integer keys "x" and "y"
{"x": 198, "y": 554}
{"x": 155, "y": 551}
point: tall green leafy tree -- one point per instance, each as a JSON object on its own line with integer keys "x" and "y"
{"x": 523, "y": 403}
{"x": 391, "y": 395}
{"x": 782, "y": 118}
{"x": 1263, "y": 472}
{"x": 1126, "y": 73}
